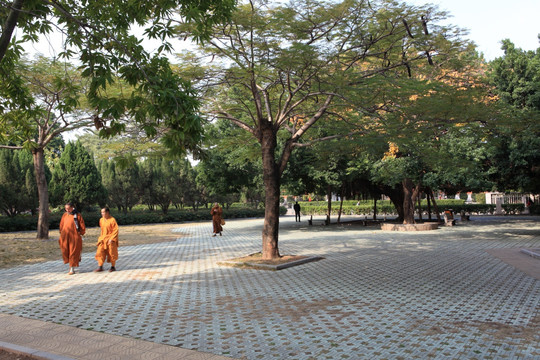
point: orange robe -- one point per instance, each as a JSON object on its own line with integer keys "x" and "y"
{"x": 70, "y": 240}
{"x": 109, "y": 232}
{"x": 216, "y": 219}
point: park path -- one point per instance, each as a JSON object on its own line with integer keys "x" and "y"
{"x": 376, "y": 295}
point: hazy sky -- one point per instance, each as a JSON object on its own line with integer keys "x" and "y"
{"x": 490, "y": 21}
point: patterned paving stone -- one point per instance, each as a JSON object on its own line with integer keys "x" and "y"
{"x": 377, "y": 294}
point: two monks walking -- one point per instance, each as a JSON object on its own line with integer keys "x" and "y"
{"x": 72, "y": 228}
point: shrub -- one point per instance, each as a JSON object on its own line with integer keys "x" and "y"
{"x": 91, "y": 219}
{"x": 480, "y": 198}
{"x": 385, "y": 207}
{"x": 513, "y": 208}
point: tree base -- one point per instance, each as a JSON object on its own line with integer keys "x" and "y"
{"x": 255, "y": 261}
{"x": 410, "y": 227}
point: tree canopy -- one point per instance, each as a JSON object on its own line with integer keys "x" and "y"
{"x": 98, "y": 36}
{"x": 277, "y": 71}
{"x": 76, "y": 179}
{"x": 514, "y": 162}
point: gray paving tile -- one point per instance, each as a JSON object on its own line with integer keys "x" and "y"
{"x": 377, "y": 294}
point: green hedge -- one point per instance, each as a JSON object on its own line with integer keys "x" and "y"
{"x": 513, "y": 208}
{"x": 362, "y": 209}
{"x": 385, "y": 207}
{"x": 353, "y": 207}
{"x": 24, "y": 223}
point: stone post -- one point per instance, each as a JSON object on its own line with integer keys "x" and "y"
{"x": 525, "y": 199}
{"x": 498, "y": 206}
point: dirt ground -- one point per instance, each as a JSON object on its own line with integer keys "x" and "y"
{"x": 6, "y": 355}
{"x": 20, "y": 248}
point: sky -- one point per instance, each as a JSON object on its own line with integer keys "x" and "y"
{"x": 490, "y": 21}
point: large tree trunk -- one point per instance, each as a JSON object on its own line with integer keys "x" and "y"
{"x": 396, "y": 196}
{"x": 43, "y": 194}
{"x": 408, "y": 201}
{"x": 271, "y": 178}
{"x": 410, "y": 194}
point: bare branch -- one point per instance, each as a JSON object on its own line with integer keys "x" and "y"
{"x": 313, "y": 119}
{"x": 282, "y": 117}
{"x": 267, "y": 103}
{"x": 12, "y": 147}
{"x": 407, "y": 28}
{"x": 225, "y": 115}
{"x": 424, "y": 25}
{"x": 286, "y": 115}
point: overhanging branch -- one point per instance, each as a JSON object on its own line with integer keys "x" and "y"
{"x": 326, "y": 138}
{"x": 9, "y": 26}
{"x": 224, "y": 115}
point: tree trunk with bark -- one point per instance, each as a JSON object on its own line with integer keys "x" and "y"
{"x": 43, "y": 194}
{"x": 341, "y": 204}
{"x": 428, "y": 197}
{"x": 329, "y": 197}
{"x": 410, "y": 193}
{"x": 396, "y": 196}
{"x": 436, "y": 208}
{"x": 418, "y": 198}
{"x": 271, "y": 178}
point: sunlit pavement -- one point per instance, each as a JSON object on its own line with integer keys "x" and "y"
{"x": 375, "y": 295}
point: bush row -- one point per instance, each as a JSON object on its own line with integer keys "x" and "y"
{"x": 387, "y": 208}
{"x": 370, "y": 203}
{"x": 29, "y": 223}
{"x": 23, "y": 223}
{"x": 362, "y": 209}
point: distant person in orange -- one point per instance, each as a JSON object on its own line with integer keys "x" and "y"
{"x": 107, "y": 245}
{"x": 216, "y": 219}
{"x": 71, "y": 230}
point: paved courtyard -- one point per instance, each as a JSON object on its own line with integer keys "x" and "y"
{"x": 376, "y": 295}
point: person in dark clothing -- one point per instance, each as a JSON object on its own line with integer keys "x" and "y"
{"x": 296, "y": 212}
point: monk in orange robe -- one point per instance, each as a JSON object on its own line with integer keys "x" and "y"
{"x": 216, "y": 219}
{"x": 71, "y": 230}
{"x": 107, "y": 245}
